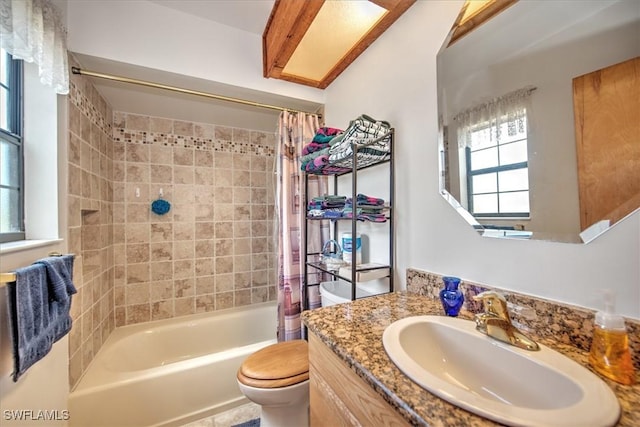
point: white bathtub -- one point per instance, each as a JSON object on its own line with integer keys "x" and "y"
{"x": 170, "y": 372}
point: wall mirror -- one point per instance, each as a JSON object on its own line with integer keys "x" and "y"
{"x": 522, "y": 175}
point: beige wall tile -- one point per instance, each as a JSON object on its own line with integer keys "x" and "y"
{"x": 205, "y": 248}
{"x": 161, "y": 251}
{"x": 161, "y": 271}
{"x": 183, "y": 269}
{"x": 182, "y": 128}
{"x": 224, "y": 282}
{"x": 161, "y": 174}
{"x": 138, "y": 153}
{"x": 184, "y": 306}
{"x": 184, "y": 231}
{"x": 224, "y": 300}
{"x": 205, "y": 303}
{"x": 223, "y": 230}
{"x": 138, "y": 252}
{"x": 203, "y": 158}
{"x": 162, "y": 310}
{"x": 136, "y": 122}
{"x": 223, "y": 133}
{"x": 242, "y": 297}
{"x": 138, "y": 313}
{"x": 138, "y": 273}
{"x": 205, "y": 285}
{"x": 161, "y": 154}
{"x": 204, "y": 267}
{"x": 224, "y": 247}
{"x": 203, "y": 130}
{"x": 162, "y": 290}
{"x": 259, "y": 295}
{"x": 161, "y": 232}
{"x": 184, "y": 287}
{"x": 184, "y": 249}
{"x": 183, "y": 156}
{"x": 241, "y": 178}
{"x": 242, "y": 161}
{"x": 161, "y": 125}
{"x": 224, "y": 264}
{"x": 242, "y": 280}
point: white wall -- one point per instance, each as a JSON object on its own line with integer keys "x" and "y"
{"x": 395, "y": 80}
{"x": 146, "y": 34}
{"x": 45, "y": 386}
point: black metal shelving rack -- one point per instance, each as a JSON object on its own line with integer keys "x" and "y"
{"x": 354, "y": 221}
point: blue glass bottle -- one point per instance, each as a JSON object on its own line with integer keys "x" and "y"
{"x": 451, "y": 297}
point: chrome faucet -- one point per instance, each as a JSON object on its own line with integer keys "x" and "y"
{"x": 496, "y": 323}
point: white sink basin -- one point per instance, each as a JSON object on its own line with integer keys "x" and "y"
{"x": 449, "y": 358}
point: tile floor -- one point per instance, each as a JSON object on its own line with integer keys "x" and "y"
{"x": 228, "y": 418}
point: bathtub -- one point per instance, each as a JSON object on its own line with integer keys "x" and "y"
{"x": 170, "y": 372}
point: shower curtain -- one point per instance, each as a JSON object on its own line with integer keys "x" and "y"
{"x": 294, "y": 131}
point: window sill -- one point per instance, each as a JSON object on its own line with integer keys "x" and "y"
{"x": 23, "y": 245}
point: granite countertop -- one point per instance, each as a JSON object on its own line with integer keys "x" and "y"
{"x": 354, "y": 332}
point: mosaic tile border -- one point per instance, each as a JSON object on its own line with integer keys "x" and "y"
{"x": 199, "y": 143}
{"x": 555, "y": 322}
{"x": 79, "y": 99}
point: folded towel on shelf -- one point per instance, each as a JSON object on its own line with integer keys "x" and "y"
{"x": 363, "y": 199}
{"x": 38, "y": 311}
{"x": 321, "y": 140}
{"x": 362, "y": 131}
{"x": 309, "y": 158}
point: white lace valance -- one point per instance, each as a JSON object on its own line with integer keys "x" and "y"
{"x": 510, "y": 109}
{"x": 32, "y": 30}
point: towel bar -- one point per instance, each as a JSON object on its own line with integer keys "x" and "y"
{"x": 7, "y": 278}
{"x": 11, "y": 277}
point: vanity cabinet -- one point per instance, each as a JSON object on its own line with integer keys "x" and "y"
{"x": 339, "y": 397}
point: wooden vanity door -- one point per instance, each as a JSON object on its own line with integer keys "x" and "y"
{"x": 607, "y": 123}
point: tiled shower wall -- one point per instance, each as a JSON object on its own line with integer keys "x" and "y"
{"x": 90, "y": 221}
{"x": 213, "y": 250}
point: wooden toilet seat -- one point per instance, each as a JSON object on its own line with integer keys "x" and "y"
{"x": 279, "y": 365}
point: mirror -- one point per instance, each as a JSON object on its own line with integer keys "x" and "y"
{"x": 542, "y": 46}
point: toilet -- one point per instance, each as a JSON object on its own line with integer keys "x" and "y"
{"x": 277, "y": 378}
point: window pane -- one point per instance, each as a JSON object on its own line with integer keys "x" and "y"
{"x": 4, "y": 109}
{"x": 485, "y": 183}
{"x": 9, "y": 210}
{"x": 485, "y": 203}
{"x": 9, "y": 164}
{"x": 484, "y": 159}
{"x": 515, "y": 152}
{"x": 517, "y": 202}
{"x": 513, "y": 180}
{"x": 4, "y": 70}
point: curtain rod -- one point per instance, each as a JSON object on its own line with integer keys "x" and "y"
{"x": 76, "y": 70}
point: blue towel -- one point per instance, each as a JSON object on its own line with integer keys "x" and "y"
{"x": 59, "y": 276}
{"x": 37, "y": 319}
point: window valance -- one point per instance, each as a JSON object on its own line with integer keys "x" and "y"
{"x": 32, "y": 30}
{"x": 510, "y": 109}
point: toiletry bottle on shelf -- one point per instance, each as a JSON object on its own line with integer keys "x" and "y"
{"x": 610, "y": 355}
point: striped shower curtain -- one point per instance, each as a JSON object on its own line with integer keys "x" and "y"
{"x": 294, "y": 131}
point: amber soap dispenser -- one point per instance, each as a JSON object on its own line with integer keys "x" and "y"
{"x": 610, "y": 354}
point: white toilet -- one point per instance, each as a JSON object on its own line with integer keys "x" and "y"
{"x": 277, "y": 378}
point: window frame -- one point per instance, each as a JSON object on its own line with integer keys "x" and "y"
{"x": 495, "y": 169}
{"x": 14, "y": 136}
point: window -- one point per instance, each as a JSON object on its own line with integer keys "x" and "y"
{"x": 11, "y": 150}
{"x": 497, "y": 169}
